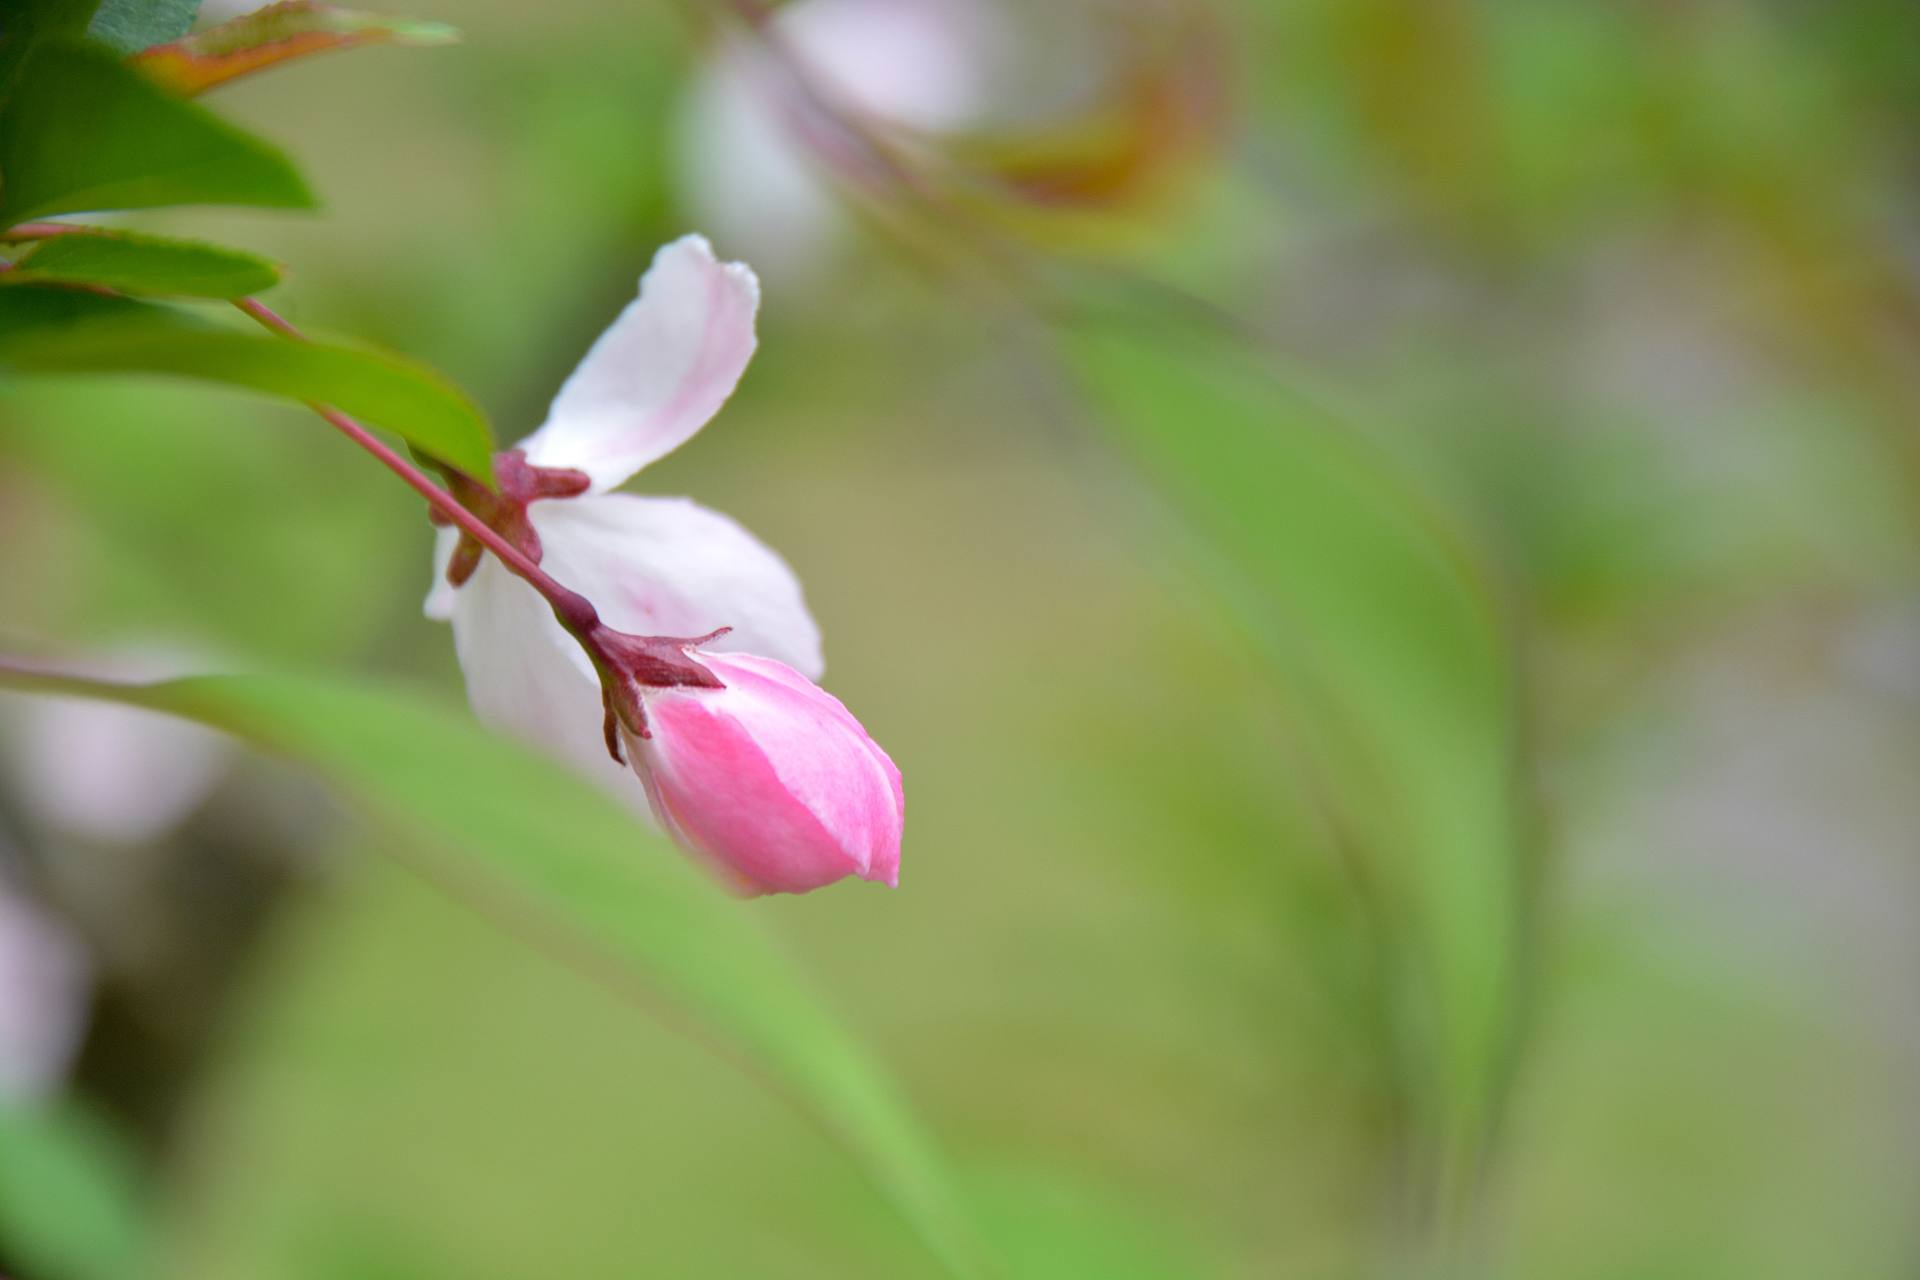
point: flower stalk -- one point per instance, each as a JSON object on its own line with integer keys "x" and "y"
{"x": 623, "y": 662}
{"x": 573, "y": 610}
{"x": 742, "y": 758}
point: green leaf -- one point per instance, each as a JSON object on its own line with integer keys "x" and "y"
{"x": 82, "y": 131}
{"x": 28, "y": 23}
{"x": 556, "y": 861}
{"x": 1049, "y": 1224}
{"x": 53, "y": 330}
{"x": 70, "y": 1200}
{"x": 278, "y": 33}
{"x": 42, "y": 310}
{"x": 132, "y": 25}
{"x": 133, "y": 263}
{"x": 1391, "y": 650}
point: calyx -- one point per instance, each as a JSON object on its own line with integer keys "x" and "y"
{"x": 625, "y": 663}
{"x": 505, "y": 510}
{"x": 629, "y": 663}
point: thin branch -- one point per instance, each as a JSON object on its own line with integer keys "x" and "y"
{"x": 575, "y": 612}
{"x": 46, "y": 231}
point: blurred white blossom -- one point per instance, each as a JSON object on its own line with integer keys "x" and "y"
{"x": 43, "y": 987}
{"x": 752, "y": 148}
{"x": 101, "y": 771}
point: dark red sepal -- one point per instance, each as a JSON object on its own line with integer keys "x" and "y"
{"x": 505, "y": 509}
{"x": 630, "y": 663}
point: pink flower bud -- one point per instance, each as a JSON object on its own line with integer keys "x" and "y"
{"x": 771, "y": 778}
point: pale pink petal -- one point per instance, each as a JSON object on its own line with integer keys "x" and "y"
{"x": 439, "y": 601}
{"x": 772, "y": 779}
{"x": 845, "y": 777}
{"x": 722, "y": 797}
{"x": 888, "y": 858}
{"x": 670, "y": 567}
{"x": 527, "y": 677}
{"x": 664, "y": 367}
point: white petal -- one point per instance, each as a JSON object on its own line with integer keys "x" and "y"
{"x": 756, "y": 157}
{"x": 527, "y": 677}
{"x": 927, "y": 64}
{"x": 670, "y": 567}
{"x": 662, "y": 369}
{"x": 746, "y": 176}
{"x": 439, "y": 602}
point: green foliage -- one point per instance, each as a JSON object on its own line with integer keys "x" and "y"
{"x": 1387, "y": 641}
{"x": 483, "y": 819}
{"x": 1049, "y": 1227}
{"x": 82, "y": 131}
{"x": 132, "y": 25}
{"x": 141, "y": 264}
{"x": 70, "y": 1204}
{"x": 53, "y": 330}
{"x": 29, "y": 22}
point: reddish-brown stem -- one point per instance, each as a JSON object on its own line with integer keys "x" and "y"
{"x": 45, "y": 230}
{"x": 575, "y": 612}
{"x": 623, "y": 662}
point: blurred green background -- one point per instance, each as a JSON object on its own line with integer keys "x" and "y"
{"x": 1380, "y": 533}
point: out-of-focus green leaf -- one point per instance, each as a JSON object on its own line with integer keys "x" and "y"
{"x": 1048, "y": 1225}
{"x": 134, "y": 263}
{"x": 132, "y": 25}
{"x": 82, "y": 131}
{"x": 29, "y": 22}
{"x": 278, "y": 33}
{"x": 1390, "y": 649}
{"x": 70, "y": 1203}
{"x": 54, "y": 330}
{"x": 27, "y": 312}
{"x": 558, "y": 862}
